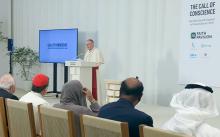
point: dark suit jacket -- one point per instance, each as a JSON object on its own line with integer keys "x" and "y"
{"x": 6, "y": 94}
{"x": 124, "y": 111}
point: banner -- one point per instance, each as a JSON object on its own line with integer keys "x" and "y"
{"x": 200, "y": 42}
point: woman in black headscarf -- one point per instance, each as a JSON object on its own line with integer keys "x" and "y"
{"x": 73, "y": 97}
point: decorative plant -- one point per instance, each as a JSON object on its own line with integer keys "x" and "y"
{"x": 26, "y": 58}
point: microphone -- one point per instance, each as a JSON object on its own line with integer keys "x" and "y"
{"x": 78, "y": 56}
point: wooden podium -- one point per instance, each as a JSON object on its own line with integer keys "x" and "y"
{"x": 82, "y": 71}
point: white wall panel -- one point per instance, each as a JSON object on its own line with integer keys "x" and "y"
{"x": 5, "y": 27}
{"x": 137, "y": 37}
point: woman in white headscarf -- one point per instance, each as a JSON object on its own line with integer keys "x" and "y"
{"x": 193, "y": 105}
{"x": 73, "y": 97}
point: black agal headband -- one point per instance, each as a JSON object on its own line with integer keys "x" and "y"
{"x": 192, "y": 86}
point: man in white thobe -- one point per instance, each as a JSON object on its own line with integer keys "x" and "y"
{"x": 94, "y": 55}
{"x": 194, "y": 105}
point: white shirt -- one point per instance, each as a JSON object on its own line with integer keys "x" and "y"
{"x": 94, "y": 55}
{"x": 193, "y": 107}
{"x": 182, "y": 124}
{"x": 36, "y": 99}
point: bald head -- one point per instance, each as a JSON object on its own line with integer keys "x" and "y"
{"x": 7, "y": 82}
{"x": 131, "y": 89}
{"x": 132, "y": 82}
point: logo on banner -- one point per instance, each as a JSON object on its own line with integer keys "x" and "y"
{"x": 200, "y": 35}
{"x": 57, "y": 46}
{"x": 193, "y": 55}
{"x": 193, "y": 35}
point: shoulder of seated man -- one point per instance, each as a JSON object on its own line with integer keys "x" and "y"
{"x": 142, "y": 114}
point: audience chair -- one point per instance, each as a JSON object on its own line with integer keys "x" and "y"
{"x": 3, "y": 120}
{"x": 20, "y": 118}
{"x": 98, "y": 127}
{"x": 56, "y": 122}
{"x": 146, "y": 131}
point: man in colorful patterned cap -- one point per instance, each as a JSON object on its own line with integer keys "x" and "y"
{"x": 35, "y": 96}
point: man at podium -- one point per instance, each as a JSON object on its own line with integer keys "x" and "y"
{"x": 94, "y": 55}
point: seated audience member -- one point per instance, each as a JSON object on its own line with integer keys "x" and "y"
{"x": 7, "y": 87}
{"x": 193, "y": 105}
{"x": 35, "y": 96}
{"x": 123, "y": 110}
{"x": 73, "y": 97}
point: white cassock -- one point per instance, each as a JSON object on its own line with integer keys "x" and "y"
{"x": 95, "y": 56}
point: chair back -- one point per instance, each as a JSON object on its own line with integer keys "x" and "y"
{"x": 20, "y": 118}
{"x": 99, "y": 127}
{"x": 56, "y": 122}
{"x": 146, "y": 131}
{"x": 3, "y": 120}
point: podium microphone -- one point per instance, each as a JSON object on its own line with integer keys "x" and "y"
{"x": 78, "y": 56}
